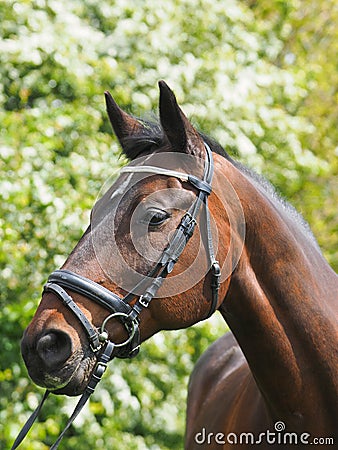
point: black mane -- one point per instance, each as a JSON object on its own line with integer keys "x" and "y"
{"x": 154, "y": 139}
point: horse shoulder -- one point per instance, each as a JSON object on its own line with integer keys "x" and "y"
{"x": 223, "y": 397}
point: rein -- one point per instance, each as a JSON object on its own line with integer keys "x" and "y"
{"x": 120, "y": 308}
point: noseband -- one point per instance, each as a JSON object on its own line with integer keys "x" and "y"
{"x": 119, "y": 307}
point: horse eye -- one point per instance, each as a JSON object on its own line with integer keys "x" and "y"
{"x": 156, "y": 217}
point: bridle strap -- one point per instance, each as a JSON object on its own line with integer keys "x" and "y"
{"x": 215, "y": 269}
{"x": 67, "y": 300}
{"x": 89, "y": 289}
{"x": 183, "y": 232}
{"x": 100, "y": 369}
{"x": 96, "y": 376}
{"x": 60, "y": 280}
{"x": 28, "y": 425}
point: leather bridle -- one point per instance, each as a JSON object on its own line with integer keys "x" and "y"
{"x": 120, "y": 308}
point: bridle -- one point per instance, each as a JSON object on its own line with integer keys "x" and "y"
{"x": 120, "y": 308}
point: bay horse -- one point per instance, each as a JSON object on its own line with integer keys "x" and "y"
{"x": 140, "y": 268}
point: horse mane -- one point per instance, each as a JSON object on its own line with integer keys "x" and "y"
{"x": 153, "y": 139}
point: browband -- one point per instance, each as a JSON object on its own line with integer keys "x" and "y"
{"x": 201, "y": 185}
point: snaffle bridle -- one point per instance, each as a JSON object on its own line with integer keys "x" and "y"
{"x": 120, "y": 308}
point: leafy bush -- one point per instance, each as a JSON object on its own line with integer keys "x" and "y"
{"x": 238, "y": 71}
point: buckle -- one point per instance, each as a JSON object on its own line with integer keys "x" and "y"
{"x": 144, "y": 301}
{"x": 216, "y": 269}
{"x": 186, "y": 216}
{"x": 95, "y": 348}
{"x": 188, "y": 224}
{"x": 216, "y": 274}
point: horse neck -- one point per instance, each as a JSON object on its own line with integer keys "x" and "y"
{"x": 280, "y": 307}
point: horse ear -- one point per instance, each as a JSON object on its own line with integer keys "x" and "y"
{"x": 123, "y": 124}
{"x": 181, "y": 134}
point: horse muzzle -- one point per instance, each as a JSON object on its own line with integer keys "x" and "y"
{"x": 52, "y": 362}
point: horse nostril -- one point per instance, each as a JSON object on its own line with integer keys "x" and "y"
{"x": 54, "y": 348}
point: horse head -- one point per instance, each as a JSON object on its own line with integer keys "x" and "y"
{"x": 136, "y": 236}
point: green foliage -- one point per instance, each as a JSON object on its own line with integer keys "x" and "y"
{"x": 309, "y": 33}
{"x": 258, "y": 76}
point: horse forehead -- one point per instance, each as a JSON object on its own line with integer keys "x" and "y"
{"x": 134, "y": 190}
{"x": 131, "y": 192}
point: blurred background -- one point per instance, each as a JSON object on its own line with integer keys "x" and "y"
{"x": 259, "y": 76}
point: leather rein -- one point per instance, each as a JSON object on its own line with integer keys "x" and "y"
{"x": 120, "y": 308}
